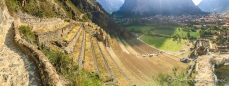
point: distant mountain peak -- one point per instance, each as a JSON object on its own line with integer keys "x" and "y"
{"x": 154, "y": 7}
{"x": 218, "y": 6}
{"x": 111, "y": 5}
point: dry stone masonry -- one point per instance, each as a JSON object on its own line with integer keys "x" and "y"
{"x": 47, "y": 71}
{"x": 16, "y": 69}
{"x": 205, "y": 73}
{"x": 58, "y": 34}
{"x": 39, "y": 23}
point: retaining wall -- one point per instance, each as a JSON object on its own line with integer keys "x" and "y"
{"x": 46, "y": 24}
{"x": 70, "y": 45}
{"x": 39, "y": 23}
{"x": 58, "y": 34}
{"x": 48, "y": 73}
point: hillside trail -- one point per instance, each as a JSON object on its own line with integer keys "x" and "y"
{"x": 16, "y": 68}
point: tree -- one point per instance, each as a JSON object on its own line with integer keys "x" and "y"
{"x": 188, "y": 34}
{"x": 152, "y": 29}
{"x": 132, "y": 29}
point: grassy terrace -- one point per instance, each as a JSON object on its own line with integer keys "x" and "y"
{"x": 77, "y": 49}
{"x": 121, "y": 79}
{"x": 126, "y": 65}
{"x": 140, "y": 72}
{"x": 52, "y": 29}
{"x": 167, "y": 60}
{"x": 89, "y": 61}
{"x": 167, "y": 67}
{"x": 104, "y": 73}
{"x": 72, "y": 33}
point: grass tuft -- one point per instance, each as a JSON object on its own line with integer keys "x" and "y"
{"x": 27, "y": 34}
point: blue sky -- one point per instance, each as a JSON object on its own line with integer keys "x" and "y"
{"x": 196, "y": 2}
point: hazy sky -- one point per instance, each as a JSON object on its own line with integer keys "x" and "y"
{"x": 196, "y": 2}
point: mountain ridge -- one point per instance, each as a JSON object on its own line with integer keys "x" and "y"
{"x": 218, "y": 6}
{"x": 163, "y": 7}
{"x": 110, "y": 5}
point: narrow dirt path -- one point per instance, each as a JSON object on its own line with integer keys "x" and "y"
{"x": 16, "y": 68}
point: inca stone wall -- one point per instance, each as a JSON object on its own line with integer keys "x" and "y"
{"x": 39, "y": 23}
{"x": 205, "y": 74}
{"x": 46, "y": 24}
{"x": 70, "y": 45}
{"x": 47, "y": 71}
{"x": 58, "y": 34}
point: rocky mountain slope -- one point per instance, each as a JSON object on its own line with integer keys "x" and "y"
{"x": 98, "y": 15}
{"x": 111, "y": 5}
{"x": 154, "y": 7}
{"x": 218, "y": 6}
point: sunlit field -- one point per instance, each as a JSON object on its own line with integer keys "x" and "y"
{"x": 169, "y": 38}
{"x": 163, "y": 43}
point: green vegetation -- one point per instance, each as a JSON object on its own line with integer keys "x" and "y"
{"x": 166, "y": 37}
{"x": 44, "y": 9}
{"x": 13, "y": 6}
{"x": 85, "y": 18}
{"x": 176, "y": 79}
{"x": 68, "y": 69}
{"x": 143, "y": 29}
{"x": 27, "y": 34}
{"x": 87, "y": 79}
{"x": 163, "y": 43}
{"x": 186, "y": 34}
{"x": 63, "y": 64}
{"x": 168, "y": 31}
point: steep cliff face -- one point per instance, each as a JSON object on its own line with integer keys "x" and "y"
{"x": 154, "y": 7}
{"x": 218, "y": 6}
{"x": 99, "y": 16}
{"x": 110, "y": 5}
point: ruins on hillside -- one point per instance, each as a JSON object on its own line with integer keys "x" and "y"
{"x": 204, "y": 61}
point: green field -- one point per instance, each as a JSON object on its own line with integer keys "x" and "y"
{"x": 170, "y": 44}
{"x": 163, "y": 43}
{"x": 137, "y": 28}
{"x": 164, "y": 30}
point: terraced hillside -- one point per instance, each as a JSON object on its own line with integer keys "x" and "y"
{"x": 116, "y": 61}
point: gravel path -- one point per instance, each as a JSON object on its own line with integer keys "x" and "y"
{"x": 16, "y": 69}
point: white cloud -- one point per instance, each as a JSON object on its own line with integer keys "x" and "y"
{"x": 196, "y": 2}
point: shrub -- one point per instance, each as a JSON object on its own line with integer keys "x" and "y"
{"x": 69, "y": 70}
{"x": 13, "y": 6}
{"x": 178, "y": 78}
{"x": 27, "y": 34}
{"x": 85, "y": 18}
